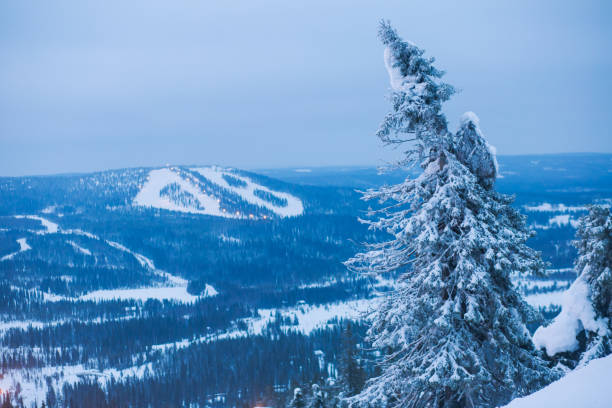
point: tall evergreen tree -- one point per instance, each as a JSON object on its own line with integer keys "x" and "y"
{"x": 454, "y": 330}
{"x": 583, "y": 329}
{"x": 352, "y": 375}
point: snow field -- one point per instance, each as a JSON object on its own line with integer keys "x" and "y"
{"x": 23, "y": 246}
{"x": 157, "y": 180}
{"x": 587, "y": 387}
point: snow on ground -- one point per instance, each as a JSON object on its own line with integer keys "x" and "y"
{"x": 34, "y": 387}
{"x": 209, "y": 204}
{"x": 587, "y": 387}
{"x": 543, "y": 284}
{"x": 20, "y": 324}
{"x": 547, "y": 207}
{"x": 50, "y": 227}
{"x": 576, "y": 313}
{"x": 232, "y": 240}
{"x": 546, "y": 299}
{"x": 215, "y": 174}
{"x": 49, "y": 210}
{"x": 561, "y": 220}
{"x": 149, "y": 195}
{"x": 79, "y": 248}
{"x": 142, "y": 260}
{"x": 309, "y": 318}
{"x": 163, "y": 293}
{"x": 23, "y": 246}
{"x": 209, "y": 291}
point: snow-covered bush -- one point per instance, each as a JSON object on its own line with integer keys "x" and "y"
{"x": 583, "y": 329}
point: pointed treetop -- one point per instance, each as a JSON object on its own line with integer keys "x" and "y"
{"x": 417, "y": 95}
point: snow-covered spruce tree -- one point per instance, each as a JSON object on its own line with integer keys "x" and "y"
{"x": 454, "y": 329}
{"x": 583, "y": 329}
{"x": 298, "y": 401}
{"x": 317, "y": 400}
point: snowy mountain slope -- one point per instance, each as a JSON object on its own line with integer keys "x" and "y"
{"x": 173, "y": 287}
{"x": 588, "y": 387}
{"x": 194, "y": 199}
{"x": 175, "y": 190}
{"x": 23, "y": 246}
{"x": 283, "y": 204}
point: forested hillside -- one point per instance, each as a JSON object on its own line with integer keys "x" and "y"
{"x": 109, "y": 299}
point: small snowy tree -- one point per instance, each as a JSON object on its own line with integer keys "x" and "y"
{"x": 317, "y": 400}
{"x": 298, "y": 401}
{"x": 454, "y": 329}
{"x": 583, "y": 329}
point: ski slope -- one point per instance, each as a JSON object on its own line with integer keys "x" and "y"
{"x": 176, "y": 288}
{"x": 23, "y": 246}
{"x": 195, "y": 199}
{"x": 215, "y": 174}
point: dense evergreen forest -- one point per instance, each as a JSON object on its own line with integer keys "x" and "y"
{"x": 285, "y": 313}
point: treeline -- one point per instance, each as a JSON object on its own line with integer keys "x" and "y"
{"x": 242, "y": 372}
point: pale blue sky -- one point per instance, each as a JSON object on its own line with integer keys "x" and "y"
{"x": 90, "y": 85}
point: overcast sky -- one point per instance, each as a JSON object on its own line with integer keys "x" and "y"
{"x": 91, "y": 85}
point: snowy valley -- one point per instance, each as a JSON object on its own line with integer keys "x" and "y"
{"x": 129, "y": 282}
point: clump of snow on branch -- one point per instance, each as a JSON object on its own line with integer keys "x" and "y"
{"x": 577, "y": 314}
{"x": 474, "y": 151}
{"x": 587, "y": 305}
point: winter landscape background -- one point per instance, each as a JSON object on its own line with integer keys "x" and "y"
{"x": 150, "y": 302}
{"x": 286, "y": 204}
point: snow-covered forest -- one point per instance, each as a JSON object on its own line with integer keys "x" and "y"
{"x": 451, "y": 277}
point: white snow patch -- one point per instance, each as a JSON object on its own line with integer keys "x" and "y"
{"x": 50, "y": 227}
{"x": 142, "y": 260}
{"x": 587, "y": 387}
{"x": 80, "y": 232}
{"x": 177, "y": 293}
{"x": 313, "y": 317}
{"x": 468, "y": 117}
{"x": 34, "y": 386}
{"x": 576, "y": 314}
{"x": 226, "y": 238}
{"x": 547, "y": 207}
{"x": 79, "y": 248}
{"x": 209, "y": 204}
{"x": 294, "y": 205}
{"x": 563, "y": 220}
{"x": 49, "y": 210}
{"x": 558, "y": 221}
{"x": 545, "y": 300}
{"x": 209, "y": 291}
{"x": 149, "y": 195}
{"x": 396, "y": 79}
{"x": 23, "y": 246}
{"x": 20, "y": 324}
